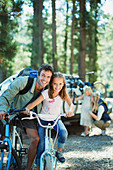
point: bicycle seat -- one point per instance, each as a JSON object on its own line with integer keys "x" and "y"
{"x": 92, "y": 72}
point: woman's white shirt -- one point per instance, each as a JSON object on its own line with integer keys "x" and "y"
{"x": 100, "y": 112}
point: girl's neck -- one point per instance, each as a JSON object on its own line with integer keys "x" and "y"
{"x": 55, "y": 94}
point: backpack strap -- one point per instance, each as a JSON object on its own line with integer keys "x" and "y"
{"x": 28, "y": 86}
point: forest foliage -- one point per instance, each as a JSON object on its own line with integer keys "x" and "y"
{"x": 67, "y": 34}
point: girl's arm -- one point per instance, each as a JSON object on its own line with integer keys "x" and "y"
{"x": 71, "y": 106}
{"x": 33, "y": 104}
{"x": 93, "y": 115}
{"x": 79, "y": 98}
{"x": 99, "y": 113}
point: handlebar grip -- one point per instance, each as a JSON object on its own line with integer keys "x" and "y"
{"x": 20, "y": 110}
{"x": 12, "y": 111}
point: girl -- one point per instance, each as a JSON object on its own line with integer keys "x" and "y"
{"x": 52, "y": 100}
{"x": 86, "y": 119}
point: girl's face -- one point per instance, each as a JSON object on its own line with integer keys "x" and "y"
{"x": 87, "y": 93}
{"x": 57, "y": 84}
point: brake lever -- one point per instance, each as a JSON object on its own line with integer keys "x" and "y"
{"x": 31, "y": 116}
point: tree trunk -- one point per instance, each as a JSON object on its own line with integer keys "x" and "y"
{"x": 72, "y": 40}
{"x": 54, "y": 46}
{"x": 92, "y": 40}
{"x": 65, "y": 41}
{"x": 37, "y": 42}
{"x": 82, "y": 39}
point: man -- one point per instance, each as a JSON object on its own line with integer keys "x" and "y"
{"x": 44, "y": 75}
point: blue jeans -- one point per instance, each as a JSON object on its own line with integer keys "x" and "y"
{"x": 62, "y": 137}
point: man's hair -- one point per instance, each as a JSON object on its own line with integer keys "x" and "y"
{"x": 45, "y": 67}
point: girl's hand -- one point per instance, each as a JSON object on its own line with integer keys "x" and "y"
{"x": 26, "y": 111}
{"x": 69, "y": 114}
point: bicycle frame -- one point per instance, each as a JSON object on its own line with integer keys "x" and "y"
{"x": 7, "y": 139}
{"x": 48, "y": 150}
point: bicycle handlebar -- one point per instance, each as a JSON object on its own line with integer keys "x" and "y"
{"x": 12, "y": 111}
{"x": 38, "y": 116}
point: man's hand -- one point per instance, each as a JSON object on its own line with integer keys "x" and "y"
{"x": 2, "y": 115}
{"x": 26, "y": 111}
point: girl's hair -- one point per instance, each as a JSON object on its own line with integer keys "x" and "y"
{"x": 95, "y": 102}
{"x": 63, "y": 92}
{"x": 87, "y": 88}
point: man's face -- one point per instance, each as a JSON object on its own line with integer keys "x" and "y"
{"x": 44, "y": 78}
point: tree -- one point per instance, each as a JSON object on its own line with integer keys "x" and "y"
{"x": 105, "y": 53}
{"x": 37, "y": 42}
{"x": 66, "y": 37}
{"x": 54, "y": 50}
{"x": 72, "y": 40}
{"x": 9, "y": 11}
{"x": 92, "y": 38}
{"x": 82, "y": 38}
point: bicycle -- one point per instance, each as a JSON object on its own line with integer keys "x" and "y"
{"x": 11, "y": 155}
{"x": 97, "y": 86}
{"x": 48, "y": 160}
{"x": 75, "y": 88}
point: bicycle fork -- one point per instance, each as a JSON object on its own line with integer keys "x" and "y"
{"x": 8, "y": 147}
{"x": 48, "y": 149}
{"x": 15, "y": 133}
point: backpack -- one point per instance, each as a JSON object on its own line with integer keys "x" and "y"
{"x": 25, "y": 72}
{"x": 108, "y": 105}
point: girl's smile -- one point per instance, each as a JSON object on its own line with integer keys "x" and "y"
{"x": 57, "y": 84}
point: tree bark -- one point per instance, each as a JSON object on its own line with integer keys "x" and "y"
{"x": 82, "y": 38}
{"x": 54, "y": 46}
{"x": 66, "y": 37}
{"x": 72, "y": 40}
{"x": 37, "y": 42}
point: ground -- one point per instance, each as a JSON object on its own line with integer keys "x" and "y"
{"x": 94, "y": 152}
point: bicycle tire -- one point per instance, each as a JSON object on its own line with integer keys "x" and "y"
{"x": 99, "y": 86}
{"x": 18, "y": 148}
{"x": 15, "y": 163}
{"x": 47, "y": 162}
{"x": 72, "y": 95}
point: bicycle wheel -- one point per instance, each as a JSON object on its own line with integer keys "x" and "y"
{"x": 47, "y": 162}
{"x": 15, "y": 163}
{"x": 72, "y": 95}
{"x": 99, "y": 86}
{"x": 18, "y": 143}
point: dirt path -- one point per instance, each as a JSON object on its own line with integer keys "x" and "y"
{"x": 94, "y": 152}
{"x": 89, "y": 153}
